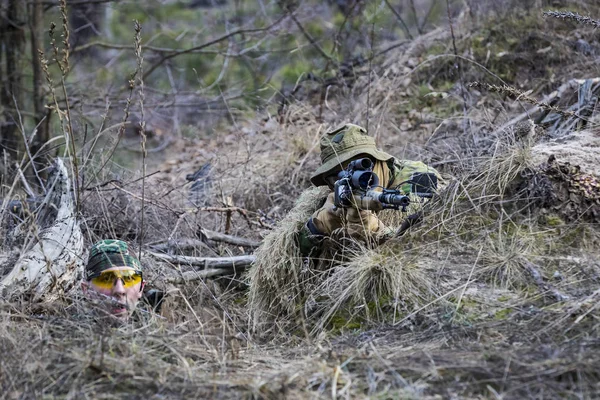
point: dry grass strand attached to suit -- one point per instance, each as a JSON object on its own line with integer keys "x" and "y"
{"x": 276, "y": 285}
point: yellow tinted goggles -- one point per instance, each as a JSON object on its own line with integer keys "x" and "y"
{"x": 107, "y": 279}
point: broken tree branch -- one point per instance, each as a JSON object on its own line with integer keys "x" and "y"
{"x": 235, "y": 240}
{"x": 171, "y": 246}
{"x": 207, "y": 262}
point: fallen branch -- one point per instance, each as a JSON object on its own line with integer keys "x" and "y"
{"x": 181, "y": 245}
{"x": 190, "y": 276}
{"x": 235, "y": 240}
{"x": 207, "y": 262}
{"x": 549, "y": 99}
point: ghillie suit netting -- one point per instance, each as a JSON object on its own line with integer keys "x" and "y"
{"x": 308, "y": 292}
{"x": 496, "y": 226}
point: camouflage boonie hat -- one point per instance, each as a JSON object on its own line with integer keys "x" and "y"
{"x": 110, "y": 253}
{"x": 341, "y": 145}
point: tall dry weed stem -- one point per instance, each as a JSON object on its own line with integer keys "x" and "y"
{"x": 64, "y": 116}
{"x": 573, "y": 16}
{"x": 140, "y": 74}
{"x": 520, "y": 95}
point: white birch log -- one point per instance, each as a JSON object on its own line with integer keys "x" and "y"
{"x": 49, "y": 266}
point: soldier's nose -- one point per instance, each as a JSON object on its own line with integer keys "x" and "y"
{"x": 118, "y": 290}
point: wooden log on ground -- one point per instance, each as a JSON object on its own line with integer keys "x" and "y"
{"x": 234, "y": 262}
{"x": 49, "y": 266}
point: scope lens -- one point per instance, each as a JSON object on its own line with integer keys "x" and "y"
{"x": 365, "y": 179}
{"x": 365, "y": 163}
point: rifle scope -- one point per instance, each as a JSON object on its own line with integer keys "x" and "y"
{"x": 360, "y": 174}
{"x": 363, "y": 164}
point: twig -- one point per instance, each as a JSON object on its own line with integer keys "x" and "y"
{"x": 26, "y": 186}
{"x": 207, "y": 262}
{"x": 414, "y": 11}
{"x": 308, "y": 37}
{"x": 519, "y": 95}
{"x": 63, "y": 65}
{"x": 207, "y": 44}
{"x": 399, "y": 18}
{"x": 118, "y": 181}
{"x": 140, "y": 60}
{"x": 235, "y": 240}
{"x": 547, "y": 99}
{"x": 426, "y": 18}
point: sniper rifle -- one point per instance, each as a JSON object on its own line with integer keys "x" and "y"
{"x": 358, "y": 186}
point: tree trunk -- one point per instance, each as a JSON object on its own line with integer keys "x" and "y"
{"x": 86, "y": 22}
{"x": 36, "y": 31}
{"x": 12, "y": 39}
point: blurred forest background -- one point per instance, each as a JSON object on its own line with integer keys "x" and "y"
{"x": 205, "y": 64}
{"x": 209, "y": 64}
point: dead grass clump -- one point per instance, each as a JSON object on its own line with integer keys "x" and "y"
{"x": 279, "y": 277}
{"x": 375, "y": 285}
{"x": 506, "y": 257}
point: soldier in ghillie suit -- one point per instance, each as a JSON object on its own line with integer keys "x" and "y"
{"x": 318, "y": 232}
{"x": 338, "y": 148}
{"x": 113, "y": 278}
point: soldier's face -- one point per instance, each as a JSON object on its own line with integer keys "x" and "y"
{"x": 120, "y": 287}
{"x": 330, "y": 180}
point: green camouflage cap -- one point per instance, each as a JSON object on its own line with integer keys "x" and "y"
{"x": 341, "y": 145}
{"x": 110, "y": 253}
